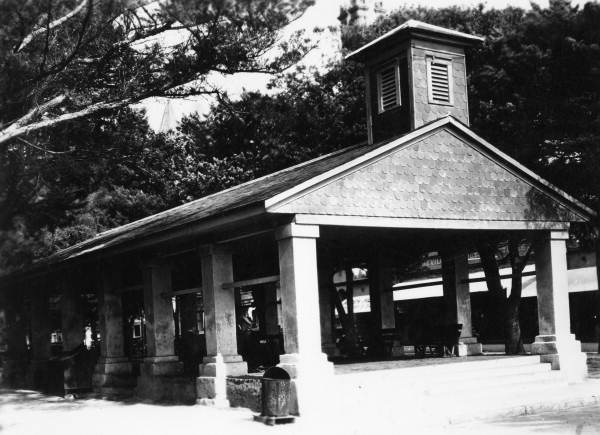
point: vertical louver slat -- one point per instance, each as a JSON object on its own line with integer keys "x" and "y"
{"x": 440, "y": 82}
{"x": 388, "y": 87}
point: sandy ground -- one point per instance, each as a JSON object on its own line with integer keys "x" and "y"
{"x": 29, "y": 413}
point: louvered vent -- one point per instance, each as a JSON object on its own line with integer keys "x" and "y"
{"x": 389, "y": 90}
{"x": 439, "y": 82}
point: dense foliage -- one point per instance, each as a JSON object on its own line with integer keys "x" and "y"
{"x": 534, "y": 92}
{"x": 64, "y": 59}
{"x": 74, "y": 160}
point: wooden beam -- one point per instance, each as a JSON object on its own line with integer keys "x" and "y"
{"x": 176, "y": 253}
{"x": 413, "y": 223}
{"x": 244, "y": 236}
{"x": 186, "y": 291}
{"x": 250, "y": 282}
{"x": 130, "y": 288}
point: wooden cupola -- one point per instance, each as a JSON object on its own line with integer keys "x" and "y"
{"x": 415, "y": 74}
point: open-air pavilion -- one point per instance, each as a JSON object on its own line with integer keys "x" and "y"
{"x": 431, "y": 185}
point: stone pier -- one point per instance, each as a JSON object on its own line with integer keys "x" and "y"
{"x": 222, "y": 358}
{"x": 457, "y": 299}
{"x": 113, "y": 371}
{"x": 555, "y": 343}
{"x": 37, "y": 377}
{"x": 14, "y": 365}
{"x": 303, "y": 358}
{"x": 72, "y": 315}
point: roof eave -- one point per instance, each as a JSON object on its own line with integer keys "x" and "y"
{"x": 110, "y": 248}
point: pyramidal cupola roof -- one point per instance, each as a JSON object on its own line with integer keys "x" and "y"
{"x": 416, "y": 28}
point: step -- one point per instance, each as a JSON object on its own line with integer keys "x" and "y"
{"x": 457, "y": 365}
{"x": 486, "y": 373}
{"x": 514, "y": 386}
{"x": 435, "y": 385}
{"x": 428, "y": 416}
{"x": 418, "y": 400}
{"x": 114, "y": 380}
{"x": 496, "y": 383}
{"x": 397, "y": 407}
{"x": 531, "y": 400}
{"x": 440, "y": 374}
{"x": 167, "y": 389}
{"x": 114, "y": 393}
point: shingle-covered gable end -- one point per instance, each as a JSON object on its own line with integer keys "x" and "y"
{"x": 440, "y": 176}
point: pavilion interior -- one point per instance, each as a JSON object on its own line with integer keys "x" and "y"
{"x": 351, "y": 310}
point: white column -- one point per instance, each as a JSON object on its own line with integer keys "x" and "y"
{"x": 555, "y": 343}
{"x": 303, "y": 358}
{"x": 219, "y": 312}
{"x": 222, "y": 358}
{"x": 457, "y": 298}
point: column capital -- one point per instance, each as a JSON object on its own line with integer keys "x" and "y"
{"x": 297, "y": 230}
{"x": 554, "y": 235}
{"x": 154, "y": 262}
{"x": 213, "y": 249}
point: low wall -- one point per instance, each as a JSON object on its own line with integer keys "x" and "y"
{"x": 489, "y": 347}
{"x": 244, "y": 391}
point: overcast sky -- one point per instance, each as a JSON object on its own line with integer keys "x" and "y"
{"x": 323, "y": 14}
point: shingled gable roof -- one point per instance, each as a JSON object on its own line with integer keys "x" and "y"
{"x": 578, "y": 208}
{"x": 265, "y": 192}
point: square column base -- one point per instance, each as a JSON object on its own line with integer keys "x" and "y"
{"x": 14, "y": 373}
{"x": 161, "y": 366}
{"x": 234, "y": 366}
{"x": 215, "y": 403}
{"x": 563, "y": 353}
{"x": 113, "y": 365}
{"x": 330, "y": 349}
{"x": 161, "y": 381}
{"x": 211, "y": 385}
{"x": 36, "y": 377}
{"x": 468, "y": 346}
{"x": 312, "y": 382}
{"x": 113, "y": 377}
{"x": 207, "y": 392}
{"x": 298, "y": 365}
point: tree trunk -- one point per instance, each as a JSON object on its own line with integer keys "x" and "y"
{"x": 487, "y": 254}
{"x": 350, "y": 342}
{"x": 514, "y": 341}
{"x": 497, "y": 304}
{"x": 597, "y": 325}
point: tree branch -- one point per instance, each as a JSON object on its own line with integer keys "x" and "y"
{"x": 50, "y": 25}
{"x": 17, "y": 130}
{"x": 35, "y": 112}
{"x": 26, "y": 142}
